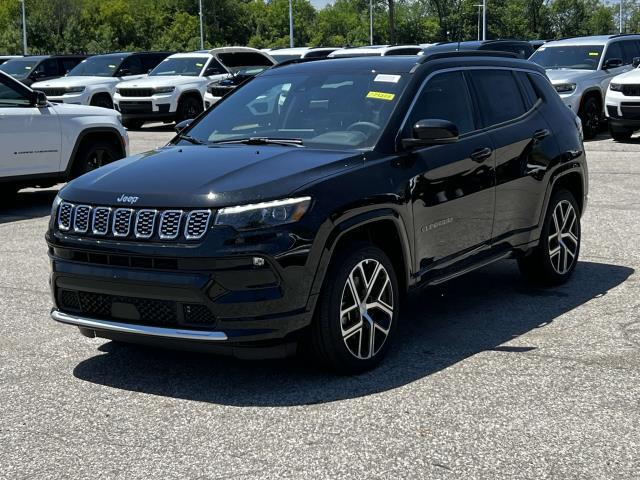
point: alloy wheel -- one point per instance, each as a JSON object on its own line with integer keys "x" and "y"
{"x": 97, "y": 159}
{"x": 564, "y": 238}
{"x": 366, "y": 309}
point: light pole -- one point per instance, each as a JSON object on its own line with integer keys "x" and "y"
{"x": 479, "y": 15}
{"x": 484, "y": 19}
{"x": 620, "y": 17}
{"x": 24, "y": 29}
{"x": 201, "y": 29}
{"x": 370, "y": 22}
{"x": 291, "y": 23}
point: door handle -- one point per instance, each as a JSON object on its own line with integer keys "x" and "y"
{"x": 540, "y": 134}
{"x": 481, "y": 154}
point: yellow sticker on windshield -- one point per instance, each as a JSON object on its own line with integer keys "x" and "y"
{"x": 381, "y": 96}
{"x": 199, "y": 64}
{"x": 112, "y": 66}
{"x": 593, "y": 54}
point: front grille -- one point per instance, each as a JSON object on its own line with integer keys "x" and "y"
{"x": 631, "y": 90}
{"x": 136, "y": 92}
{"x": 219, "y": 91}
{"x": 630, "y": 110}
{"x": 135, "y": 107}
{"x": 131, "y": 224}
{"x": 135, "y": 310}
{"x": 53, "y": 92}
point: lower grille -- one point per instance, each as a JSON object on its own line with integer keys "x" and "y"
{"x": 135, "y": 107}
{"x": 630, "y": 110}
{"x": 136, "y": 92}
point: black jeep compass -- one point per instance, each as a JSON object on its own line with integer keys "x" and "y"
{"x": 298, "y": 211}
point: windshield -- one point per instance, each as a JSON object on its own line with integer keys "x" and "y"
{"x": 186, "y": 66}
{"x": 324, "y": 110}
{"x": 582, "y": 57}
{"x": 98, "y": 66}
{"x": 19, "y": 68}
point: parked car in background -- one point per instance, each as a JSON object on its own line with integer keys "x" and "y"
{"x": 175, "y": 89}
{"x": 6, "y": 58}
{"x": 283, "y": 54}
{"x": 622, "y": 103}
{"x": 376, "y": 51}
{"x": 521, "y": 48}
{"x": 302, "y": 207}
{"x": 37, "y": 68}
{"x": 581, "y": 68}
{"x": 93, "y": 81}
{"x": 536, "y": 44}
{"x": 221, "y": 88}
{"x": 42, "y": 143}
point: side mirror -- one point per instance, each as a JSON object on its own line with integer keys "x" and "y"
{"x": 433, "y": 131}
{"x": 124, "y": 72}
{"x": 38, "y": 99}
{"x": 636, "y": 62}
{"x": 612, "y": 63}
{"x": 182, "y": 125}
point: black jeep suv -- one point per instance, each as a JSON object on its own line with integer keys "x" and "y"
{"x": 300, "y": 209}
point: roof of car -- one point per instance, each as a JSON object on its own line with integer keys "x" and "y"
{"x": 592, "y": 40}
{"x": 372, "y": 50}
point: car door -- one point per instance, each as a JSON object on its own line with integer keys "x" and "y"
{"x": 524, "y": 147}
{"x": 30, "y": 137}
{"x": 453, "y": 197}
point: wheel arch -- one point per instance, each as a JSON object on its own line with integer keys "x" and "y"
{"x": 100, "y": 93}
{"x": 592, "y": 92}
{"x": 109, "y": 134}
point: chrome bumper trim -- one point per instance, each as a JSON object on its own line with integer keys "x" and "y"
{"x": 92, "y": 323}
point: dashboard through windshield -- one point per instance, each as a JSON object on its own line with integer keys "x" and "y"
{"x": 580, "y": 57}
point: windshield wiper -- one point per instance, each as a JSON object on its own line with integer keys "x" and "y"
{"x": 190, "y": 139}
{"x": 261, "y": 141}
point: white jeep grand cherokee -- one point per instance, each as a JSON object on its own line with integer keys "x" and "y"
{"x": 175, "y": 89}
{"x": 42, "y": 143}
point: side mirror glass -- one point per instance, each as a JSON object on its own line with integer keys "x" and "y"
{"x": 182, "y": 125}
{"x": 38, "y": 99}
{"x": 613, "y": 63}
{"x": 433, "y": 131}
{"x": 636, "y": 62}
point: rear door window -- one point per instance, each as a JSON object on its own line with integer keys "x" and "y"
{"x": 499, "y": 96}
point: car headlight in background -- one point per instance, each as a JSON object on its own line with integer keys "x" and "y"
{"x": 267, "y": 214}
{"x": 565, "y": 87}
{"x": 616, "y": 87}
{"x": 75, "y": 89}
{"x": 164, "y": 89}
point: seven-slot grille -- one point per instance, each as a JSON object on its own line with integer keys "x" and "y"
{"x": 129, "y": 223}
{"x": 631, "y": 90}
{"x": 53, "y": 92}
{"x": 136, "y": 92}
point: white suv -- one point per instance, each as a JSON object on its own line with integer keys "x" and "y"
{"x": 93, "y": 81}
{"x": 623, "y": 103}
{"x": 175, "y": 89}
{"x": 42, "y": 143}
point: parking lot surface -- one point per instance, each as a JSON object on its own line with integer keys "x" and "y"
{"x": 489, "y": 378}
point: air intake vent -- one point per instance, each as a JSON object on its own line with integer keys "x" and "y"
{"x": 145, "y": 222}
{"x": 122, "y": 222}
{"x": 170, "y": 224}
{"x": 81, "y": 219}
{"x": 100, "y": 225}
{"x": 197, "y": 224}
{"x": 65, "y": 213}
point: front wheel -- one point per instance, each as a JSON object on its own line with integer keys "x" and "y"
{"x": 590, "y": 116}
{"x": 188, "y": 109}
{"x": 358, "y": 311}
{"x": 94, "y": 155}
{"x": 554, "y": 259}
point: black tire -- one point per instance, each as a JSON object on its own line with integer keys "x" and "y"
{"x": 8, "y": 194}
{"x": 93, "y": 155}
{"x": 619, "y": 134}
{"x": 328, "y": 345}
{"x": 133, "y": 124}
{"x": 189, "y": 108}
{"x": 545, "y": 265}
{"x": 102, "y": 100}
{"x": 589, "y": 114}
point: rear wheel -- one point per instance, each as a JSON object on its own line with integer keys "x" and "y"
{"x": 189, "y": 108}
{"x": 358, "y": 311}
{"x": 94, "y": 155}
{"x": 590, "y": 116}
{"x": 553, "y": 261}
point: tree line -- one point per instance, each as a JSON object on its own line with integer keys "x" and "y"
{"x": 95, "y": 26}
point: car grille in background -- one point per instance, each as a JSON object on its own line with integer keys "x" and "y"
{"x": 219, "y": 91}
{"x": 129, "y": 223}
{"x": 146, "y": 311}
{"x": 135, "y": 107}
{"x": 53, "y": 92}
{"x": 631, "y": 90}
{"x": 136, "y": 92}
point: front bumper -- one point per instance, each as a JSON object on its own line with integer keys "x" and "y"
{"x": 622, "y": 110}
{"x": 156, "y": 107}
{"x": 83, "y": 98}
{"x": 571, "y": 100}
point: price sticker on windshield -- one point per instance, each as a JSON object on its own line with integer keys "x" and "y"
{"x": 593, "y": 54}
{"x": 381, "y": 77}
{"x": 381, "y": 96}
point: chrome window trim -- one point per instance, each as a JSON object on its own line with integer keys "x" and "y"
{"x": 93, "y": 221}
{"x": 75, "y": 218}
{"x": 206, "y": 227}
{"x": 153, "y": 222}
{"x": 113, "y": 222}
{"x": 60, "y": 227}
{"x": 170, "y": 237}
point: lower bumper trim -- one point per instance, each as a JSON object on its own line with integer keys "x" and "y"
{"x": 93, "y": 323}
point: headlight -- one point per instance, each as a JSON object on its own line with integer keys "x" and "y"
{"x": 565, "y": 87}
{"x": 267, "y": 214}
{"x": 164, "y": 89}
{"x": 76, "y": 89}
{"x": 616, "y": 87}
{"x": 54, "y": 210}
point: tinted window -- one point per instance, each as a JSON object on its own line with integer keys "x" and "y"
{"x": 498, "y": 95}
{"x": 11, "y": 96}
{"x": 149, "y": 62}
{"x": 67, "y": 64}
{"x": 445, "y": 96}
{"x": 99, "y": 66}
{"x": 131, "y": 66}
{"x": 214, "y": 68}
{"x": 583, "y": 57}
{"x": 613, "y": 51}
{"x": 47, "y": 68}
{"x": 187, "y": 66}
{"x": 629, "y": 51}
{"x": 403, "y": 51}
{"x": 529, "y": 91}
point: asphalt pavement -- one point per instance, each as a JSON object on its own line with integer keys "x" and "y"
{"x": 489, "y": 378}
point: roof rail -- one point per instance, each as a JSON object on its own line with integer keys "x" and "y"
{"x": 298, "y": 60}
{"x": 623, "y": 35}
{"x": 465, "y": 53}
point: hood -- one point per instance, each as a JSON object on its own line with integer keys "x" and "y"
{"x": 79, "y": 81}
{"x": 82, "y": 110}
{"x": 569, "y": 75}
{"x": 162, "y": 81}
{"x": 632, "y": 76}
{"x": 209, "y": 177}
